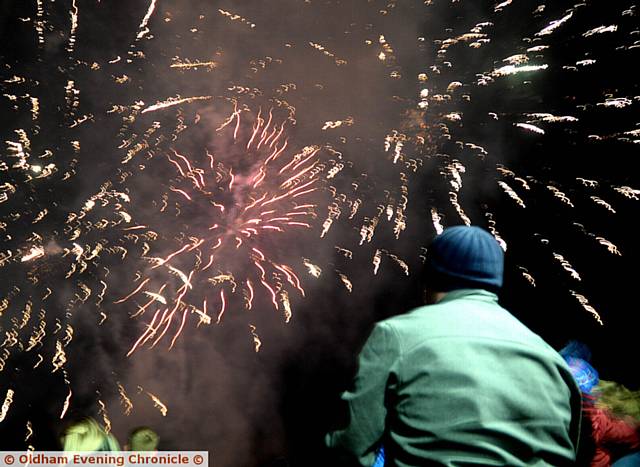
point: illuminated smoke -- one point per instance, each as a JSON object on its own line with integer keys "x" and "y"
{"x": 124, "y": 150}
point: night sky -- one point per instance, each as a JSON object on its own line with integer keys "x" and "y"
{"x": 314, "y": 63}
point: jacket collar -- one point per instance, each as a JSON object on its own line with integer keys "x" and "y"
{"x": 470, "y": 294}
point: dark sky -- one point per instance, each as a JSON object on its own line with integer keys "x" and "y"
{"x": 250, "y": 408}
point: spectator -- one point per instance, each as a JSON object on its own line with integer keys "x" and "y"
{"x": 143, "y": 439}
{"x": 621, "y": 401}
{"x": 86, "y": 435}
{"x": 606, "y": 436}
{"x": 460, "y": 381}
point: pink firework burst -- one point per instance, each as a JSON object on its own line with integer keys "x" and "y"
{"x": 235, "y": 211}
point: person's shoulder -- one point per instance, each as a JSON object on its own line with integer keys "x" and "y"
{"x": 416, "y": 320}
{"x": 456, "y": 318}
{"x": 409, "y": 316}
{"x": 432, "y": 314}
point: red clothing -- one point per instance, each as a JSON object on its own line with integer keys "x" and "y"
{"x": 611, "y": 435}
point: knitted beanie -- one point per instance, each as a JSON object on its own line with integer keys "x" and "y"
{"x": 583, "y": 373}
{"x": 465, "y": 257}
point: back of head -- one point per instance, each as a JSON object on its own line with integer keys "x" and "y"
{"x": 585, "y": 376}
{"x": 577, "y": 356}
{"x": 86, "y": 435}
{"x": 576, "y": 349}
{"x": 464, "y": 257}
{"x": 143, "y": 439}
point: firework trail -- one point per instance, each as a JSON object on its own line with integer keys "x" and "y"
{"x": 160, "y": 172}
{"x": 450, "y": 95}
{"x": 230, "y": 210}
{"x": 215, "y": 231}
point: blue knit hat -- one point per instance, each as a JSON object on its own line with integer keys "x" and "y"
{"x": 584, "y": 374}
{"x": 465, "y": 257}
{"x": 576, "y": 349}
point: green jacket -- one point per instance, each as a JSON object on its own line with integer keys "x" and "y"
{"x": 461, "y": 382}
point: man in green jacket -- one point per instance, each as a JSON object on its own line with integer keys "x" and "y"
{"x": 462, "y": 381}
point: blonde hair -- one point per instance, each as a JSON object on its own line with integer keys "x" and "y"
{"x": 143, "y": 439}
{"x": 87, "y": 435}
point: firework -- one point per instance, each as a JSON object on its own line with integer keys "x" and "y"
{"x": 244, "y": 204}
{"x": 125, "y": 194}
{"x": 158, "y": 404}
{"x": 124, "y": 400}
{"x": 6, "y": 404}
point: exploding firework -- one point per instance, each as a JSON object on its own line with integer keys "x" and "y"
{"x": 228, "y": 213}
{"x": 140, "y": 179}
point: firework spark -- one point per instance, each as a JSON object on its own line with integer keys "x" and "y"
{"x": 8, "y": 399}
{"x": 124, "y": 400}
{"x": 158, "y": 404}
{"x": 258, "y": 198}
{"x": 104, "y": 178}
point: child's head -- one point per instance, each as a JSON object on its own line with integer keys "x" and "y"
{"x": 86, "y": 435}
{"x": 143, "y": 439}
